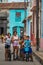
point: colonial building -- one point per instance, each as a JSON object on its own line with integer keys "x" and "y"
{"x": 27, "y": 21}
{"x": 30, "y": 22}
{"x": 41, "y": 42}
{"x": 3, "y": 21}
{"x": 34, "y": 28}
{"x": 16, "y": 16}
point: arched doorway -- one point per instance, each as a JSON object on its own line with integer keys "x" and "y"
{"x": 14, "y": 29}
{"x": 1, "y": 30}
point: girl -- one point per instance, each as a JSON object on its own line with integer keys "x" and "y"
{"x": 7, "y": 45}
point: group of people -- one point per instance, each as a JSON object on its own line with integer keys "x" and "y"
{"x": 19, "y": 44}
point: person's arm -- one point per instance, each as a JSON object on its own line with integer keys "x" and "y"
{"x": 19, "y": 41}
{"x": 12, "y": 39}
{"x": 5, "y": 39}
{"x": 30, "y": 43}
{"x": 24, "y": 43}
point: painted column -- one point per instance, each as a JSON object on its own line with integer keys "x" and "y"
{"x": 28, "y": 27}
{"x": 41, "y": 42}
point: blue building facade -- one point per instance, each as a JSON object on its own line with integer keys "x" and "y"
{"x": 16, "y": 16}
{"x": 42, "y": 19}
{"x": 16, "y": 12}
{"x": 28, "y": 21}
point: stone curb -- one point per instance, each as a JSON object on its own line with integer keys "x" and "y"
{"x": 38, "y": 57}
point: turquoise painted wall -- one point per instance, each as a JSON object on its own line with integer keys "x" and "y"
{"x": 13, "y": 22}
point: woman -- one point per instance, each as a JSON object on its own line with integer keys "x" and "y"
{"x": 7, "y": 45}
{"x": 15, "y": 41}
{"x": 21, "y": 42}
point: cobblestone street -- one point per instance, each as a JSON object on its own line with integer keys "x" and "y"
{"x": 21, "y": 32}
{"x": 3, "y": 62}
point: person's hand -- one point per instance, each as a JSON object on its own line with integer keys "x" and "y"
{"x": 12, "y": 40}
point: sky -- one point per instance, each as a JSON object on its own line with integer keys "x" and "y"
{"x": 16, "y": 0}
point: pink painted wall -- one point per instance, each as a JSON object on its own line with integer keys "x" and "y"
{"x": 41, "y": 43}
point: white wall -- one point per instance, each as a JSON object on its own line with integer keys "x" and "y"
{"x": 28, "y": 24}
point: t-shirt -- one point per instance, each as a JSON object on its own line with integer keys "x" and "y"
{"x": 27, "y": 43}
{"x": 8, "y": 41}
{"x": 16, "y": 37}
{"x": 16, "y": 42}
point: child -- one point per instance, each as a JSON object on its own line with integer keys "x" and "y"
{"x": 27, "y": 45}
{"x": 7, "y": 45}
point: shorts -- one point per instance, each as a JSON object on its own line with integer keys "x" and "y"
{"x": 30, "y": 50}
{"x": 7, "y": 46}
{"x": 22, "y": 50}
{"x": 15, "y": 44}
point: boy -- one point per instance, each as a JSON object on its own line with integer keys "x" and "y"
{"x": 27, "y": 47}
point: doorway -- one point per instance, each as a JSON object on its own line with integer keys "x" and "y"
{"x": 1, "y": 30}
{"x": 21, "y": 31}
{"x": 14, "y": 29}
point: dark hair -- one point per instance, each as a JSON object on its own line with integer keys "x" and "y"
{"x": 21, "y": 37}
{"x": 27, "y": 36}
{"x": 14, "y": 32}
{"x": 9, "y": 33}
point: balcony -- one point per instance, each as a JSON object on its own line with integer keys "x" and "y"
{"x": 4, "y": 13}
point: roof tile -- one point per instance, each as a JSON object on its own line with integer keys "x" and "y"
{"x": 13, "y": 5}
